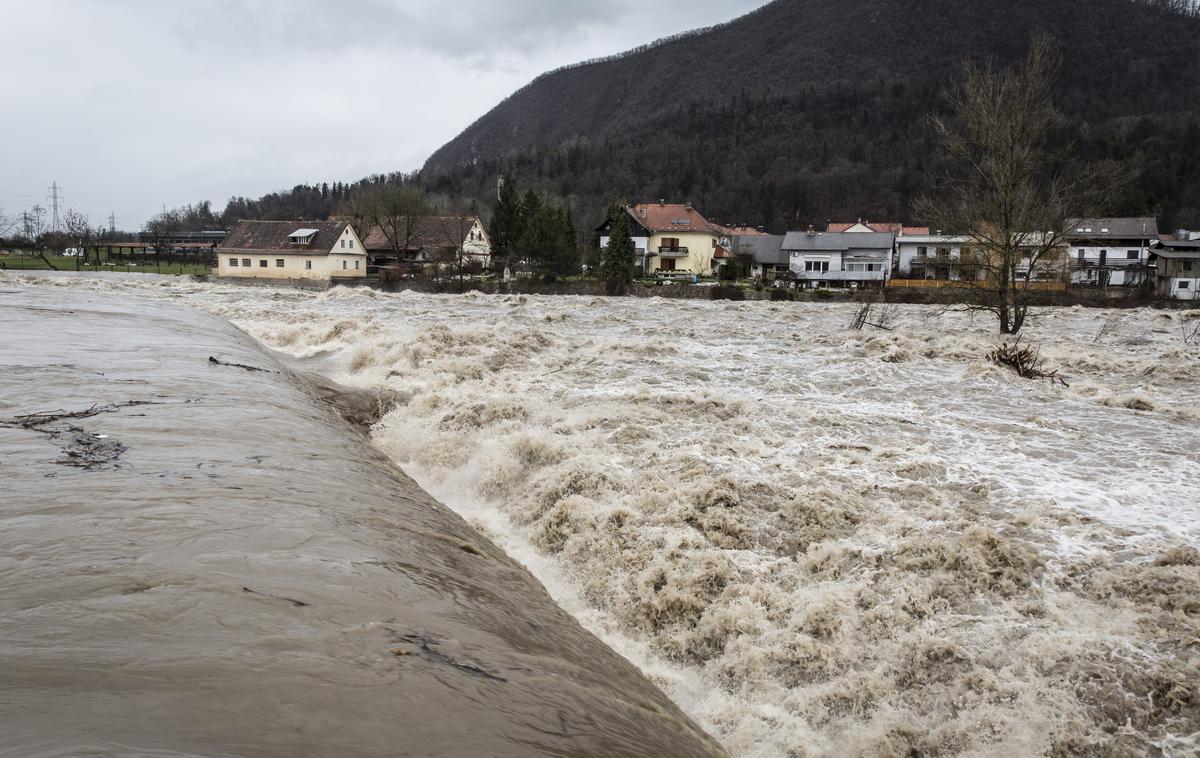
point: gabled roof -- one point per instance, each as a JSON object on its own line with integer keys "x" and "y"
{"x": 432, "y": 233}
{"x": 766, "y": 248}
{"x": 274, "y": 236}
{"x": 819, "y": 242}
{"x": 880, "y": 227}
{"x": 1141, "y": 227}
{"x": 670, "y": 217}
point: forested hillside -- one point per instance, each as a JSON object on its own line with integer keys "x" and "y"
{"x": 807, "y": 110}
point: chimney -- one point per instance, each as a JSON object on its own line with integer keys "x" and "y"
{"x": 811, "y": 232}
{"x": 688, "y": 205}
{"x": 662, "y": 201}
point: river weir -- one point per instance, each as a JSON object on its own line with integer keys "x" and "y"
{"x": 816, "y": 540}
{"x": 201, "y": 555}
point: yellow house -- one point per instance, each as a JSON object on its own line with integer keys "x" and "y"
{"x": 299, "y": 250}
{"x": 680, "y": 239}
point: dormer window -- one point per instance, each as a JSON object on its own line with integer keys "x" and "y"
{"x": 302, "y": 236}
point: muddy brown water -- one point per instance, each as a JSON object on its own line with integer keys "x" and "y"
{"x": 198, "y": 558}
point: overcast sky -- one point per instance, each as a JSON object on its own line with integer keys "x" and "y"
{"x": 130, "y": 105}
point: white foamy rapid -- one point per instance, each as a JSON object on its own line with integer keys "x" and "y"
{"x": 817, "y": 541}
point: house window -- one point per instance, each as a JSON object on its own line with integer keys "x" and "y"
{"x": 943, "y": 252}
{"x": 343, "y": 265}
{"x": 922, "y": 252}
{"x": 246, "y": 262}
{"x": 819, "y": 266}
{"x": 1185, "y": 265}
{"x": 1081, "y": 255}
{"x": 343, "y": 244}
{"x": 356, "y": 265}
{"x": 1132, "y": 255}
{"x": 308, "y": 265}
{"x": 233, "y": 262}
{"x": 262, "y": 263}
{"x": 1184, "y": 285}
{"x": 279, "y": 263}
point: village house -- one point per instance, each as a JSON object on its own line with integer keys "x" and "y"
{"x": 1110, "y": 252}
{"x": 434, "y": 240}
{"x": 934, "y": 257}
{"x": 670, "y": 238}
{"x": 761, "y": 255}
{"x": 1176, "y": 260}
{"x": 314, "y": 250}
{"x": 839, "y": 259}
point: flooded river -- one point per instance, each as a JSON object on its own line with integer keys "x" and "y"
{"x": 817, "y": 541}
{"x": 200, "y": 556}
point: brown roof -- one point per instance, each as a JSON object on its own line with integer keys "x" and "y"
{"x": 880, "y": 226}
{"x": 739, "y": 231}
{"x": 273, "y": 235}
{"x": 671, "y": 217}
{"x": 433, "y": 233}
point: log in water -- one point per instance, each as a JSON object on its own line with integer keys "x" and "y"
{"x": 203, "y": 557}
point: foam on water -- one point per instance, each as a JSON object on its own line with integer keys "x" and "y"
{"x": 818, "y": 541}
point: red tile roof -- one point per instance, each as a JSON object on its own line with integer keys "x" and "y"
{"x": 670, "y": 217}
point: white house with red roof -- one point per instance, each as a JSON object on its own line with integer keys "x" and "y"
{"x": 672, "y": 238}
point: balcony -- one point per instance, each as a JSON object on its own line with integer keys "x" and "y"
{"x": 840, "y": 276}
{"x": 673, "y": 252}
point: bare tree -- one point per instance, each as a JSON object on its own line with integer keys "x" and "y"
{"x": 456, "y": 230}
{"x": 7, "y": 224}
{"x": 400, "y": 213}
{"x": 33, "y": 229}
{"x": 79, "y": 231}
{"x": 1008, "y": 190}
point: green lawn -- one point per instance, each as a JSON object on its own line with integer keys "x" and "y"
{"x": 62, "y": 263}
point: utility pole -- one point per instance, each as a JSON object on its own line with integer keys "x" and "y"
{"x": 54, "y": 198}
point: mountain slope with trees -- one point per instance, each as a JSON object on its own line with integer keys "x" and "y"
{"x": 806, "y": 110}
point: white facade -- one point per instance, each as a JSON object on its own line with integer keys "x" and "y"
{"x": 1090, "y": 262}
{"x": 929, "y": 256}
{"x": 346, "y": 259}
{"x": 838, "y": 266}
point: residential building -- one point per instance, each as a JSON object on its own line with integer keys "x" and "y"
{"x": 840, "y": 259}
{"x": 935, "y": 257}
{"x": 316, "y": 250}
{"x": 641, "y": 241}
{"x": 672, "y": 238}
{"x": 432, "y": 240}
{"x": 1110, "y": 252}
{"x": 1176, "y": 260}
{"x": 762, "y": 255}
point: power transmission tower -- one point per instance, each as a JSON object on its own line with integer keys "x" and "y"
{"x": 112, "y": 223}
{"x": 54, "y": 198}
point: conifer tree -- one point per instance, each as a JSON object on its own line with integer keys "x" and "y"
{"x": 505, "y": 226}
{"x": 616, "y": 260}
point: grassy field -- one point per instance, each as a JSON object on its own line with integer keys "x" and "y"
{"x": 63, "y": 263}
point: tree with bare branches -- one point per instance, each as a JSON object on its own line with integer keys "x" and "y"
{"x": 1006, "y": 188}
{"x": 400, "y": 213}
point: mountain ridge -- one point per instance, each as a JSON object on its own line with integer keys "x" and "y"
{"x": 824, "y": 105}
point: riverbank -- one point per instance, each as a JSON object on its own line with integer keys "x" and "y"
{"x": 200, "y": 555}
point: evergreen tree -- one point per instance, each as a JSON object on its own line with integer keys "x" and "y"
{"x": 616, "y": 260}
{"x": 504, "y": 228}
